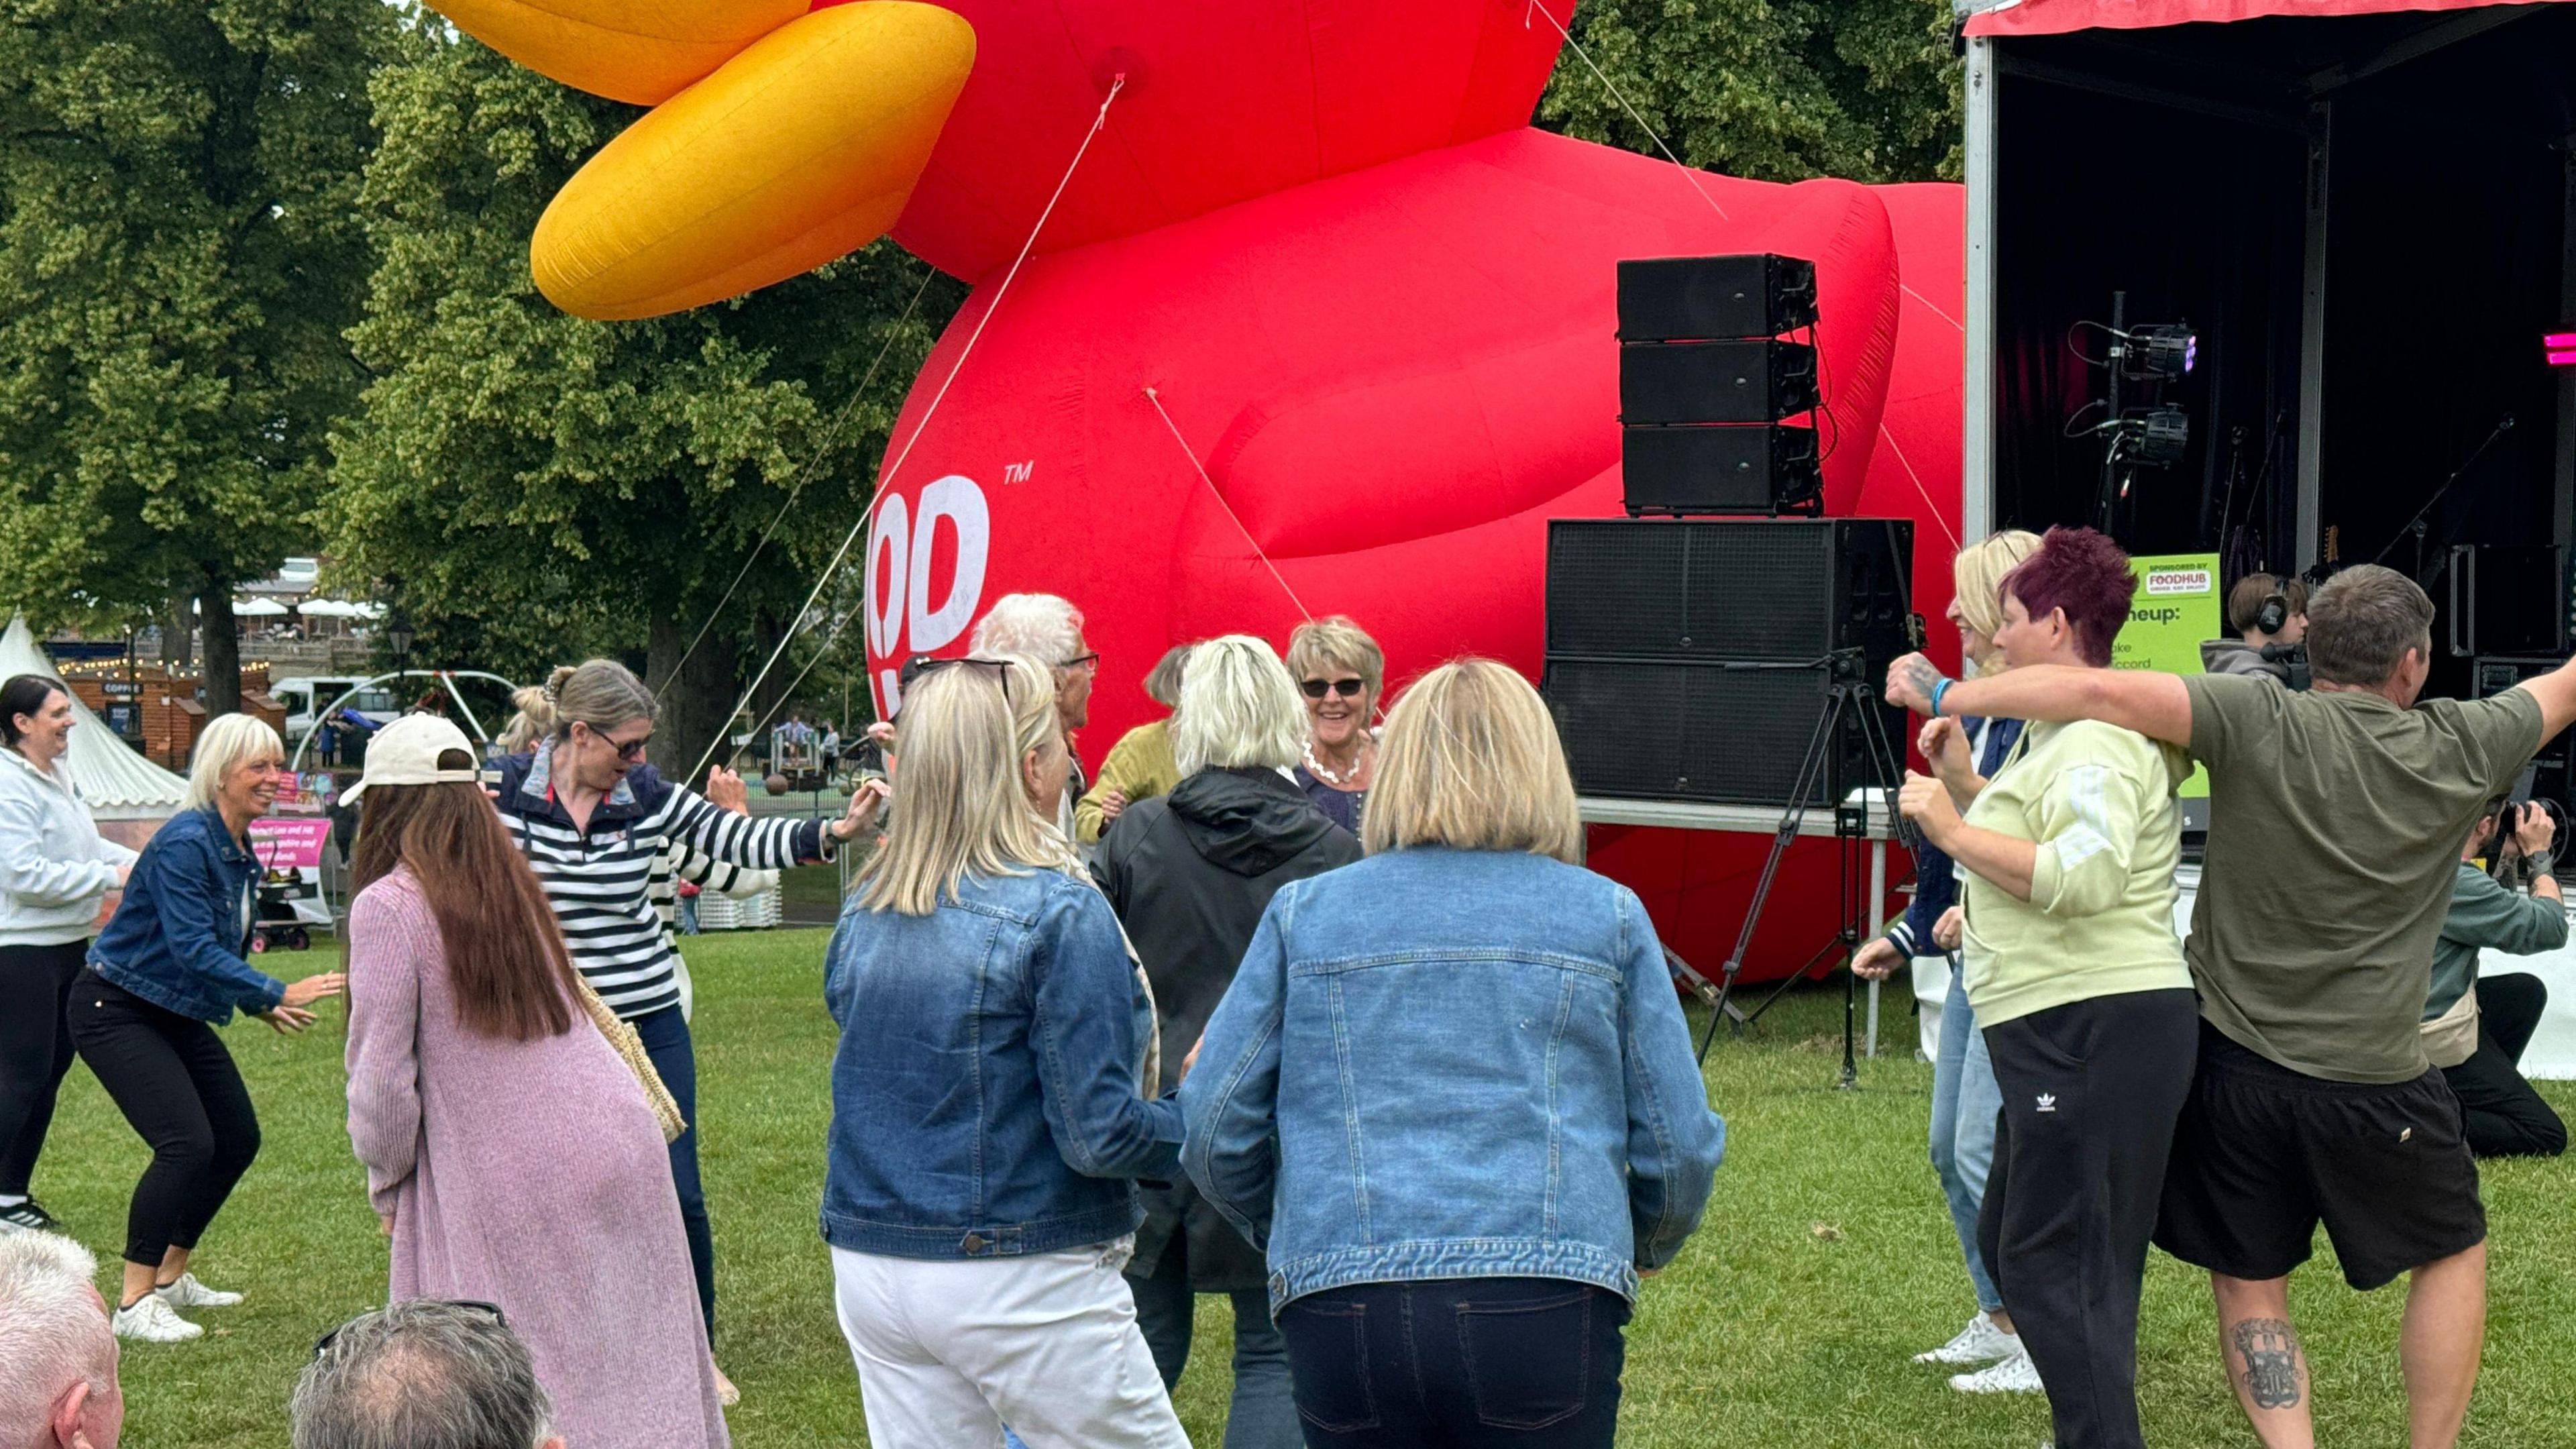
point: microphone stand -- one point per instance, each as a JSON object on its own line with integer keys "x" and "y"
{"x": 2415, "y": 525}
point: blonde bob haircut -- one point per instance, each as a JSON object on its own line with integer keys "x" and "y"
{"x": 961, "y": 808}
{"x": 1334, "y": 642}
{"x": 228, "y": 740}
{"x": 1239, "y": 709}
{"x": 1470, "y": 760}
{"x": 1978, "y": 575}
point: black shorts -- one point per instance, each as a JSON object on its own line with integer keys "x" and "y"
{"x": 2263, "y": 1153}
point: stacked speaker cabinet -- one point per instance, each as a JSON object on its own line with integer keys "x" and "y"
{"x": 1692, "y": 659}
{"x": 1707, "y": 382}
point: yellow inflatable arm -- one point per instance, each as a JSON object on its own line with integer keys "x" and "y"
{"x": 645, "y": 51}
{"x": 798, "y": 150}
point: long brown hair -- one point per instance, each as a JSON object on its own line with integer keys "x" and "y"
{"x": 506, "y": 960}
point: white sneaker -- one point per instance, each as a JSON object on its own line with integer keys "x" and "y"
{"x": 2015, "y": 1375}
{"x": 1978, "y": 1343}
{"x": 151, "y": 1319}
{"x": 186, "y": 1292}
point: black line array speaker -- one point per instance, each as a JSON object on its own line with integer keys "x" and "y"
{"x": 1692, "y": 660}
{"x": 1686, "y": 469}
{"x": 1662, "y": 299}
{"x": 1749, "y": 380}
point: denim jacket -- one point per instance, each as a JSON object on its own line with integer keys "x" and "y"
{"x": 1453, "y": 1064}
{"x": 984, "y": 1093}
{"x": 178, "y": 938}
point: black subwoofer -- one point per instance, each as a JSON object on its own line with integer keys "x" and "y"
{"x": 1693, "y": 660}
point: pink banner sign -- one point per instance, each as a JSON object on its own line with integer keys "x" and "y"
{"x": 289, "y": 844}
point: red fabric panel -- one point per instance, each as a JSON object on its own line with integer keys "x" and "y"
{"x": 1224, "y": 102}
{"x": 2058, "y": 17}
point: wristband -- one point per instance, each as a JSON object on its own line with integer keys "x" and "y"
{"x": 1940, "y": 687}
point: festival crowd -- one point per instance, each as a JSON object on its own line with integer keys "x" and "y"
{"x": 1317, "y": 1013}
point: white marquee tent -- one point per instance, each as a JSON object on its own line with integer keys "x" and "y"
{"x": 119, "y": 784}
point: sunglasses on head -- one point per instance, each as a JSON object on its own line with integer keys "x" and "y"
{"x": 323, "y": 1344}
{"x": 1346, "y": 688}
{"x": 921, "y": 665}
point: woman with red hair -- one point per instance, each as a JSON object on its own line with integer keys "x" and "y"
{"x": 2067, "y": 857}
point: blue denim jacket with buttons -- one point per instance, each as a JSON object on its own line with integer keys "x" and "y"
{"x": 1453, "y": 1064}
{"x": 984, "y": 1093}
{"x": 177, "y": 938}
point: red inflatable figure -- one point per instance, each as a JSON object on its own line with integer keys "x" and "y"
{"x": 1321, "y": 325}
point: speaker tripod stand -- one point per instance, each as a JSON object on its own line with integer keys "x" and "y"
{"x": 1851, "y": 705}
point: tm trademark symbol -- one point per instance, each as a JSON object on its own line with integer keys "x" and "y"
{"x": 1018, "y": 472}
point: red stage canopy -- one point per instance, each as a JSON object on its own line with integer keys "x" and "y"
{"x": 2057, "y": 17}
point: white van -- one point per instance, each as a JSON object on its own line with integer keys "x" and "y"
{"x": 305, "y": 696}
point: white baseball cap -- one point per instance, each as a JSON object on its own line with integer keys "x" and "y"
{"x": 406, "y": 753}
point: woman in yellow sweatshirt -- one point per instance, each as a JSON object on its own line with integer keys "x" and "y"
{"x": 1140, "y": 766}
{"x": 2067, "y": 858}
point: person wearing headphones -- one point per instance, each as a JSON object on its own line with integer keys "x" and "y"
{"x": 2270, "y": 616}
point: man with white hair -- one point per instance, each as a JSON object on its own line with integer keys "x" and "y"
{"x": 58, "y": 1385}
{"x": 1048, "y": 629}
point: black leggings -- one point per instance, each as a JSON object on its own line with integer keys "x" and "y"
{"x": 35, "y": 1051}
{"x": 171, "y": 1077}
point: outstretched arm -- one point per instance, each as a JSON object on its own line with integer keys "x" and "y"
{"x": 2556, "y": 692}
{"x": 2152, "y": 703}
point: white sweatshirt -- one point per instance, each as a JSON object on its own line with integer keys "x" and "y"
{"x": 54, "y": 866}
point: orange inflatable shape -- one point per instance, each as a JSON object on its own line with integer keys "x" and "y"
{"x": 800, "y": 149}
{"x": 644, "y": 51}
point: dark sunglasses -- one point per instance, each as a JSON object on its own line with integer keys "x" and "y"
{"x": 323, "y": 1344}
{"x": 630, "y": 751}
{"x": 1346, "y": 688}
{"x": 921, "y": 665}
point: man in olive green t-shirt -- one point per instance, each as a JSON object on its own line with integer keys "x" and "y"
{"x": 2335, "y": 821}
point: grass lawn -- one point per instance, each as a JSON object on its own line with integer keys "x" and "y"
{"x": 1826, "y": 1261}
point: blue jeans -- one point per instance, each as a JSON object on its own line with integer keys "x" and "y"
{"x": 666, "y": 1040}
{"x": 1965, "y": 1101}
{"x": 1263, "y": 1413}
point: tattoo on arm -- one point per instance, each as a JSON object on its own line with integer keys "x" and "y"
{"x": 2268, "y": 1350}
{"x": 1920, "y": 676}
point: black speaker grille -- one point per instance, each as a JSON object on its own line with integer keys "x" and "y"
{"x": 1701, "y": 732}
{"x": 1763, "y": 594}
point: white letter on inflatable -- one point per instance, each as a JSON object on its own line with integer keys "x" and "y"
{"x": 890, "y": 564}
{"x": 958, "y": 499}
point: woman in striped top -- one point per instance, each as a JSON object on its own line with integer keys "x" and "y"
{"x": 591, "y": 816}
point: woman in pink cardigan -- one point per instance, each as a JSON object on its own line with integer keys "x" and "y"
{"x": 509, "y": 1150}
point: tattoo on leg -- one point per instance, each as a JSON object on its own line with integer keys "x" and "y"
{"x": 2269, "y": 1348}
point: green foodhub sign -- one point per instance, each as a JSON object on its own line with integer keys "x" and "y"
{"x": 2176, "y": 607}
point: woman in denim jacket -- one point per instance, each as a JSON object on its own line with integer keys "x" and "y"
{"x": 1452, "y": 1095}
{"x": 989, "y": 1098}
{"x": 168, "y": 970}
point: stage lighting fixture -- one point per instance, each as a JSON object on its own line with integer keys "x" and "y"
{"x": 2161, "y": 435}
{"x": 2560, "y": 347}
{"x": 2165, "y": 352}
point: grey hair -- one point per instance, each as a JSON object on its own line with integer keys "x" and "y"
{"x": 228, "y": 740}
{"x": 1163, "y": 681}
{"x": 1042, "y": 626}
{"x": 421, "y": 1375}
{"x": 53, "y": 1333}
{"x": 1238, "y": 708}
{"x": 1334, "y": 642}
{"x": 600, "y": 693}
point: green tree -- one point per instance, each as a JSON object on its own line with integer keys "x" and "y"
{"x": 534, "y": 487}
{"x": 178, "y": 260}
{"x": 1781, "y": 90}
